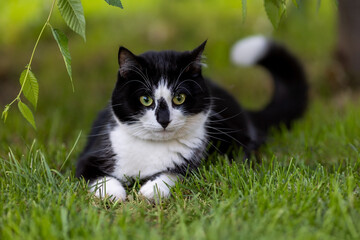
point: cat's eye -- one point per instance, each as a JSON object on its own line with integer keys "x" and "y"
{"x": 179, "y": 99}
{"x": 146, "y": 101}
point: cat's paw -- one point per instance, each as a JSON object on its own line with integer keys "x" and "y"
{"x": 108, "y": 187}
{"x": 153, "y": 191}
{"x": 158, "y": 188}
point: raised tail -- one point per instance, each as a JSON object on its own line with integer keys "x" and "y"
{"x": 290, "y": 95}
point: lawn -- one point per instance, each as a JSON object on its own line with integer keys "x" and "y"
{"x": 305, "y": 187}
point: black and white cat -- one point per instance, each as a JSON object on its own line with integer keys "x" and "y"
{"x": 163, "y": 115}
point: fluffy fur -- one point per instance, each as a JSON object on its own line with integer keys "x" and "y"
{"x": 149, "y": 132}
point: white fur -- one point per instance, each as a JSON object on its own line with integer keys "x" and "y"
{"x": 162, "y": 91}
{"x": 137, "y": 157}
{"x": 249, "y": 51}
{"x": 144, "y": 148}
{"x": 158, "y": 188}
{"x": 108, "y": 187}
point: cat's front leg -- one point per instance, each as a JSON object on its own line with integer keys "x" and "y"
{"x": 158, "y": 187}
{"x": 108, "y": 187}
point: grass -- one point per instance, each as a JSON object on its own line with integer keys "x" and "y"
{"x": 307, "y": 187}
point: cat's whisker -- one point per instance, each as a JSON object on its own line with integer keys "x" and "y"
{"x": 217, "y": 138}
{"x": 228, "y": 135}
{"x": 224, "y": 119}
{"x": 187, "y": 91}
{"x": 224, "y": 128}
{"x": 141, "y": 90}
{"x": 181, "y": 72}
{"x": 145, "y": 78}
{"x": 214, "y": 98}
{"x": 105, "y": 150}
{"x": 139, "y": 81}
{"x": 108, "y": 125}
{"x": 100, "y": 134}
{"x": 213, "y": 113}
{"x": 190, "y": 80}
{"x": 100, "y": 126}
{"x": 212, "y": 144}
{"x": 115, "y": 105}
{"x": 222, "y": 131}
{"x": 142, "y": 74}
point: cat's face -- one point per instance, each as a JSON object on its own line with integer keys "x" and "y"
{"x": 161, "y": 95}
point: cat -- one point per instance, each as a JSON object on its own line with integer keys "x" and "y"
{"x": 164, "y": 114}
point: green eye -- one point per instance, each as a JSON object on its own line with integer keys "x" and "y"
{"x": 146, "y": 101}
{"x": 179, "y": 99}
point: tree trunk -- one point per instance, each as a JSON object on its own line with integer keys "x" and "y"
{"x": 348, "y": 46}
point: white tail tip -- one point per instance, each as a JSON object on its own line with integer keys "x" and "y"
{"x": 249, "y": 51}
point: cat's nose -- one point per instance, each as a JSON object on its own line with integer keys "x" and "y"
{"x": 164, "y": 123}
{"x": 163, "y": 117}
{"x": 162, "y": 113}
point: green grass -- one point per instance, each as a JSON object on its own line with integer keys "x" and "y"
{"x": 307, "y": 187}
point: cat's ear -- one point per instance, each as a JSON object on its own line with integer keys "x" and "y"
{"x": 196, "y": 58}
{"x": 197, "y": 52}
{"x": 127, "y": 61}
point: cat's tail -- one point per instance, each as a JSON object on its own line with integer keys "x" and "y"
{"x": 290, "y": 95}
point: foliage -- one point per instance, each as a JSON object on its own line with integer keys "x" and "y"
{"x": 275, "y": 10}
{"x": 73, "y": 14}
{"x": 62, "y": 42}
{"x": 115, "y": 3}
{"x": 31, "y": 86}
{"x": 26, "y": 112}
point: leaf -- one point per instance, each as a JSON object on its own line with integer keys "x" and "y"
{"x": 73, "y": 14}
{"x": 116, "y": 3}
{"x": 62, "y": 42}
{"x": 5, "y": 112}
{"x": 295, "y": 3}
{"x": 275, "y": 10}
{"x": 31, "y": 86}
{"x": 244, "y": 8}
{"x": 318, "y": 5}
{"x": 27, "y": 114}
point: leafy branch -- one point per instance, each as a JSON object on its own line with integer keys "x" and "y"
{"x": 73, "y": 14}
{"x": 276, "y": 9}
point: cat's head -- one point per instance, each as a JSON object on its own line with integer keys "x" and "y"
{"x": 161, "y": 95}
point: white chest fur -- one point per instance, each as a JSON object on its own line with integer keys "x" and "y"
{"x": 137, "y": 157}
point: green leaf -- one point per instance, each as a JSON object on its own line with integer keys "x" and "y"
{"x": 62, "y": 42}
{"x": 318, "y": 5}
{"x": 73, "y": 14}
{"x": 275, "y": 10}
{"x": 5, "y": 112}
{"x": 296, "y": 3}
{"x": 27, "y": 114}
{"x": 244, "y": 8}
{"x": 31, "y": 86}
{"x": 115, "y": 3}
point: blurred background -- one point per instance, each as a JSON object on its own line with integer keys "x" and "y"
{"x": 309, "y": 31}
